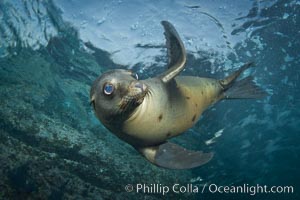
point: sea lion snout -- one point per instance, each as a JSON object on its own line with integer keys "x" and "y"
{"x": 138, "y": 86}
{"x": 135, "y": 93}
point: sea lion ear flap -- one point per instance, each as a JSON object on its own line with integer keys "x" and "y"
{"x": 172, "y": 156}
{"x": 176, "y": 52}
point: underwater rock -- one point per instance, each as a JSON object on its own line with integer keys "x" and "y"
{"x": 51, "y": 144}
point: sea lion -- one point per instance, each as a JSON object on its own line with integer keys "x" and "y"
{"x": 146, "y": 113}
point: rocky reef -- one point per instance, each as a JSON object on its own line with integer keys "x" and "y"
{"x": 51, "y": 145}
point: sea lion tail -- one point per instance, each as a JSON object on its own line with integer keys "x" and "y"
{"x": 241, "y": 89}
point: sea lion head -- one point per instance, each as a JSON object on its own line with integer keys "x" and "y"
{"x": 116, "y": 94}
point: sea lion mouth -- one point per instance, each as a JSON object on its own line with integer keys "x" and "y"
{"x": 134, "y": 97}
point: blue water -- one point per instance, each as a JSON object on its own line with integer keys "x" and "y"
{"x": 53, "y": 147}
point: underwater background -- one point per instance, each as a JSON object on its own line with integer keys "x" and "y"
{"x": 53, "y": 147}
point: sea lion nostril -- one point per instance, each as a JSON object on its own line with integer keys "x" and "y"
{"x": 139, "y": 85}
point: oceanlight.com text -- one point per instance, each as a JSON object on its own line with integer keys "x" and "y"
{"x": 208, "y": 188}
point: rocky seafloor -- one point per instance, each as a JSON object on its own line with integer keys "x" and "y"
{"x": 51, "y": 144}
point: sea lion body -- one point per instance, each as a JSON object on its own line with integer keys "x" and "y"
{"x": 146, "y": 113}
{"x": 170, "y": 109}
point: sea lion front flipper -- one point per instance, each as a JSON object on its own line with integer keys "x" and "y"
{"x": 176, "y": 52}
{"x": 172, "y": 156}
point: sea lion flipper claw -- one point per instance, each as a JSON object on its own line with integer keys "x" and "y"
{"x": 176, "y": 52}
{"x": 172, "y": 156}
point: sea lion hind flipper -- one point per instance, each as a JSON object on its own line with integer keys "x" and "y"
{"x": 229, "y": 80}
{"x": 245, "y": 89}
{"x": 241, "y": 89}
{"x": 172, "y": 156}
{"x": 176, "y": 52}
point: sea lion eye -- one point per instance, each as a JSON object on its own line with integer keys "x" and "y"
{"x": 108, "y": 89}
{"x": 135, "y": 75}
